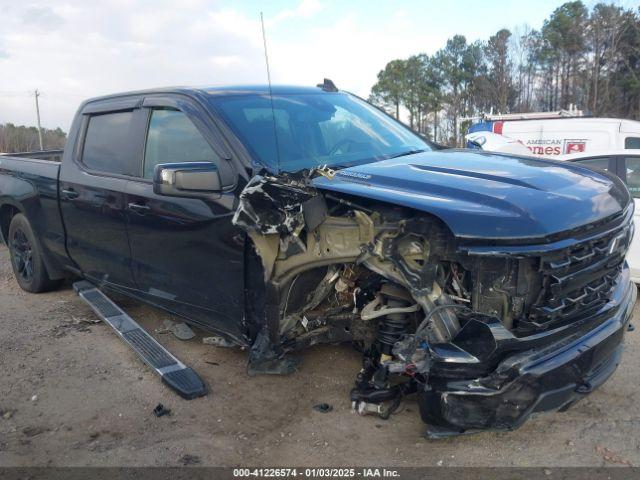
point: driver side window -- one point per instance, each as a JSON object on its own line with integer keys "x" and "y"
{"x": 173, "y": 138}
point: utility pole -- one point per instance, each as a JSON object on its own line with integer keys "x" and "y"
{"x": 37, "y": 94}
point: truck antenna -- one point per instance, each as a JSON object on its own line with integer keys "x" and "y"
{"x": 273, "y": 113}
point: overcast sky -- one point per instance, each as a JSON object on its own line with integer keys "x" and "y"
{"x": 72, "y": 50}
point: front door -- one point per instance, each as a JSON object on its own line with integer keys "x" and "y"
{"x": 186, "y": 254}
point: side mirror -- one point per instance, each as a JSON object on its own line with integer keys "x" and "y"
{"x": 190, "y": 179}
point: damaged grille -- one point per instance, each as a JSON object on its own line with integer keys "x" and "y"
{"x": 579, "y": 280}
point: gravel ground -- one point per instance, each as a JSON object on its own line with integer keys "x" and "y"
{"x": 72, "y": 394}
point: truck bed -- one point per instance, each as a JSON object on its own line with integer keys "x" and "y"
{"x": 51, "y": 155}
{"x": 29, "y": 168}
{"x": 30, "y": 186}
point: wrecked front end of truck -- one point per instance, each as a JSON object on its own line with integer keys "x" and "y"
{"x": 483, "y": 333}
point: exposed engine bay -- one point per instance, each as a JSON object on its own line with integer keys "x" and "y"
{"x": 427, "y": 315}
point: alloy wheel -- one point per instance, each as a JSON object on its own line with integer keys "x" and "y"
{"x": 22, "y": 253}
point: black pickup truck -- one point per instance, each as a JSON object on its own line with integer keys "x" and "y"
{"x": 489, "y": 285}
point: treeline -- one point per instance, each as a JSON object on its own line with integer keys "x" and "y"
{"x": 15, "y": 138}
{"x": 587, "y": 58}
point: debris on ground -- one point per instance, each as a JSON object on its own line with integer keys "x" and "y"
{"x": 190, "y": 460}
{"x": 34, "y": 398}
{"x": 161, "y": 410}
{"x": 611, "y": 456}
{"x": 322, "y": 407}
{"x": 180, "y": 330}
{"x": 212, "y": 363}
{"x": 166, "y": 327}
{"x": 87, "y": 321}
{"x": 217, "y": 341}
{"x": 7, "y": 414}
{"x": 33, "y": 431}
{"x": 75, "y": 325}
{"x": 631, "y": 327}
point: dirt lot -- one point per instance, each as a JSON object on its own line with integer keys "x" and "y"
{"x": 73, "y": 394}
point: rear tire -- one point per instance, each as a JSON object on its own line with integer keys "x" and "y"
{"x": 26, "y": 257}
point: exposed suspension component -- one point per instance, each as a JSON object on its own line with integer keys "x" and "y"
{"x": 394, "y": 308}
{"x": 395, "y": 324}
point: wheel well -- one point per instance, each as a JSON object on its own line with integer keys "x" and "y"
{"x": 7, "y": 212}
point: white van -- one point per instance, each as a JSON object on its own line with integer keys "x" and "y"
{"x": 555, "y": 133}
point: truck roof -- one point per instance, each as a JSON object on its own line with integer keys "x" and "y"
{"x": 218, "y": 90}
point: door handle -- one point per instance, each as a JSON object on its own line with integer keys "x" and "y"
{"x": 70, "y": 193}
{"x": 138, "y": 208}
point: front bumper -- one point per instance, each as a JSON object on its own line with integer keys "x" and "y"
{"x": 546, "y": 377}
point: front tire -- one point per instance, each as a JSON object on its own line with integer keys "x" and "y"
{"x": 26, "y": 257}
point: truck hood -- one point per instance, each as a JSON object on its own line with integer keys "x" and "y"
{"x": 488, "y": 196}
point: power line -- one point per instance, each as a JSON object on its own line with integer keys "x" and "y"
{"x": 37, "y": 94}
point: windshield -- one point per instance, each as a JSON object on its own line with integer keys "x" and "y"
{"x": 314, "y": 129}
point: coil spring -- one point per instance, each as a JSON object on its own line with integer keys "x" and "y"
{"x": 392, "y": 327}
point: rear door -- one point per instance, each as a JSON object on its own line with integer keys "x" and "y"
{"x": 93, "y": 186}
{"x": 186, "y": 255}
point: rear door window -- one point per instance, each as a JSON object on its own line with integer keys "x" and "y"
{"x": 632, "y": 168}
{"x": 108, "y": 146}
{"x": 173, "y": 138}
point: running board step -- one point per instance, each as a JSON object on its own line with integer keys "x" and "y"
{"x": 173, "y": 372}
